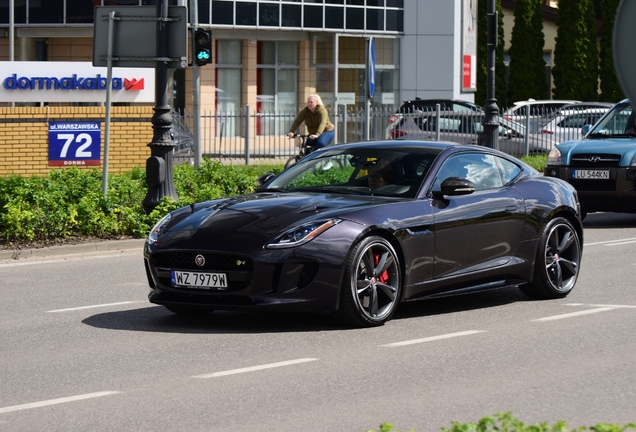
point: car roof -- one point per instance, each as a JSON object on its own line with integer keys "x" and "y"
{"x": 544, "y": 101}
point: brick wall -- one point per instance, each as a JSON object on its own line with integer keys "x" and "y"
{"x": 24, "y": 137}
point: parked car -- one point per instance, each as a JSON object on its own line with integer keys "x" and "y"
{"x": 430, "y": 105}
{"x": 466, "y": 127}
{"x": 602, "y": 165}
{"x": 535, "y": 112}
{"x": 567, "y": 122}
{"x": 355, "y": 229}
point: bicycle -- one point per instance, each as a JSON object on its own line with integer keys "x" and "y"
{"x": 304, "y": 150}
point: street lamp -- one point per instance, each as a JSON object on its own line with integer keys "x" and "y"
{"x": 491, "y": 125}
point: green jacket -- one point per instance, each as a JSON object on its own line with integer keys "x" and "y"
{"x": 316, "y": 122}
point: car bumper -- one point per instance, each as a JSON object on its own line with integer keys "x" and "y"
{"x": 616, "y": 194}
{"x": 273, "y": 280}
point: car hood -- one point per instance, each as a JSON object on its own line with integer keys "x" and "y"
{"x": 625, "y": 147}
{"x": 259, "y": 215}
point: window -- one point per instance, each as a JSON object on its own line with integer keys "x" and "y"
{"x": 478, "y": 168}
{"x": 276, "y": 84}
{"x": 228, "y": 79}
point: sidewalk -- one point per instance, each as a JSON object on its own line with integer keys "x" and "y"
{"x": 75, "y": 249}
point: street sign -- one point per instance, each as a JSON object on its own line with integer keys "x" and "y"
{"x": 371, "y": 67}
{"x": 624, "y": 60}
{"x": 135, "y": 36}
{"x": 74, "y": 143}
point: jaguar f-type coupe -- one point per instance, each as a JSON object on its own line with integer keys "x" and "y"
{"x": 353, "y": 230}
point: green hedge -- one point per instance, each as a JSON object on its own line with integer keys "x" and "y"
{"x": 505, "y": 422}
{"x": 68, "y": 203}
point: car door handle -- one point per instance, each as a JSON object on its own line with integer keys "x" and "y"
{"x": 511, "y": 208}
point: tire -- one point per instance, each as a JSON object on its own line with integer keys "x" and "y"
{"x": 371, "y": 286}
{"x": 291, "y": 161}
{"x": 557, "y": 263}
{"x": 188, "y": 311}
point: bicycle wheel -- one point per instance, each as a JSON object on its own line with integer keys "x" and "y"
{"x": 292, "y": 160}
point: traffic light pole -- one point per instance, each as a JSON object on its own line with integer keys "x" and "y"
{"x": 159, "y": 164}
{"x": 196, "y": 88}
{"x": 491, "y": 125}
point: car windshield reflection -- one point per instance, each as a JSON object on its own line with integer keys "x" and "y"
{"x": 357, "y": 171}
{"x": 619, "y": 121}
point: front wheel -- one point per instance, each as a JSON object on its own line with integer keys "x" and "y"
{"x": 558, "y": 260}
{"x": 372, "y": 284}
{"x": 292, "y": 161}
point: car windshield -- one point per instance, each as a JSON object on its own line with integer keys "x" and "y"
{"x": 619, "y": 121}
{"x": 358, "y": 170}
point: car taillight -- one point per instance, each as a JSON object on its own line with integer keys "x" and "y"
{"x": 395, "y": 134}
{"x": 547, "y": 132}
{"x": 508, "y": 117}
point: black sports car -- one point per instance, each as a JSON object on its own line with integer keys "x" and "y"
{"x": 356, "y": 229}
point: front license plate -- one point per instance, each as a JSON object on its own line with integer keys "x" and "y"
{"x": 198, "y": 280}
{"x": 591, "y": 174}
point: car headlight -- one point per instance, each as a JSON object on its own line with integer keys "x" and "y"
{"x": 633, "y": 161}
{"x": 554, "y": 157}
{"x": 301, "y": 234}
{"x": 158, "y": 229}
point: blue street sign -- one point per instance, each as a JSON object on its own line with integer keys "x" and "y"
{"x": 371, "y": 67}
{"x": 74, "y": 143}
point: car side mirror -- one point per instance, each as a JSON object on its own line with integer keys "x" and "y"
{"x": 265, "y": 178}
{"x": 454, "y": 186}
{"x": 585, "y": 129}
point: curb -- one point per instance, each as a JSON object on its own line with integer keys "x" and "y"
{"x": 83, "y": 248}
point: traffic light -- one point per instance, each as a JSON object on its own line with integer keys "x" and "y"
{"x": 202, "y": 44}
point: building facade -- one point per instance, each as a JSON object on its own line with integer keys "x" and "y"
{"x": 266, "y": 54}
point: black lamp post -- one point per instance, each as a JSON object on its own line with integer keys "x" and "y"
{"x": 491, "y": 125}
{"x": 159, "y": 164}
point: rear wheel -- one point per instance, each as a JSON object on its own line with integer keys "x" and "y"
{"x": 188, "y": 311}
{"x": 557, "y": 263}
{"x": 372, "y": 284}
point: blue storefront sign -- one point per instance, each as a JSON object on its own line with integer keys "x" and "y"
{"x": 74, "y": 143}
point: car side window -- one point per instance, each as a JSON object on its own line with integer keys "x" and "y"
{"x": 481, "y": 169}
{"x": 509, "y": 170}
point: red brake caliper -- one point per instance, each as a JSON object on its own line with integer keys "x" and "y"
{"x": 384, "y": 276}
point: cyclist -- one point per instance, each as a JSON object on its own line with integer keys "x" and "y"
{"x": 320, "y": 129}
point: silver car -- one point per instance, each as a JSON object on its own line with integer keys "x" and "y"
{"x": 468, "y": 128}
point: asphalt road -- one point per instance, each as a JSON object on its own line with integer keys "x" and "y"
{"x": 82, "y": 349}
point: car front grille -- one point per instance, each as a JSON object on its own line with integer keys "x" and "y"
{"x": 239, "y": 269}
{"x": 596, "y": 161}
{"x": 213, "y": 261}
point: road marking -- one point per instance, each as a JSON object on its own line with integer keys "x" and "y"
{"x": 603, "y": 305}
{"x": 70, "y": 257}
{"x": 56, "y": 401}
{"x": 255, "y": 368}
{"x": 575, "y": 314}
{"x": 95, "y": 306}
{"x": 612, "y": 242}
{"x": 432, "y": 338}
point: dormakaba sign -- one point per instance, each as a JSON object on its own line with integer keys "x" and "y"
{"x": 73, "y": 82}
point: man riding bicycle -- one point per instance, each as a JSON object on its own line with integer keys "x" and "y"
{"x": 320, "y": 129}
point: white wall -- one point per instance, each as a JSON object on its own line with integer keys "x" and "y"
{"x": 431, "y": 64}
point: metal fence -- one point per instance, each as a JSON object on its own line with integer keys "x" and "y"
{"x": 246, "y": 134}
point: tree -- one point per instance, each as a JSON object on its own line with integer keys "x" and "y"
{"x": 611, "y": 90}
{"x": 482, "y": 60}
{"x": 575, "y": 70}
{"x": 527, "y": 66}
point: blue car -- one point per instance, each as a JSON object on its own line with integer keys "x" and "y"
{"x": 602, "y": 165}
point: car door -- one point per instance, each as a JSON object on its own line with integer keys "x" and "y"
{"x": 480, "y": 230}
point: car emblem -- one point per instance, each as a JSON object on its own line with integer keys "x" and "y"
{"x": 239, "y": 262}
{"x": 594, "y": 159}
{"x": 199, "y": 260}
